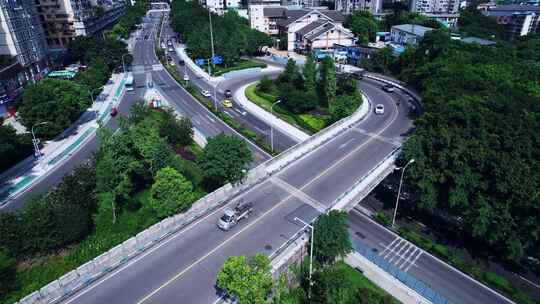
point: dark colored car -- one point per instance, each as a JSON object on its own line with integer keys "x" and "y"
{"x": 228, "y": 93}
{"x": 181, "y": 62}
{"x": 114, "y": 112}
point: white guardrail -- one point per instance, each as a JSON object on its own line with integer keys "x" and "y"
{"x": 103, "y": 264}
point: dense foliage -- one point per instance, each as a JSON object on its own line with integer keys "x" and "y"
{"x": 331, "y": 238}
{"x": 86, "y": 49}
{"x": 225, "y": 159}
{"x": 233, "y": 37}
{"x": 55, "y": 219}
{"x": 363, "y": 25}
{"x": 314, "y": 90}
{"x": 170, "y": 193}
{"x": 472, "y": 23}
{"x": 57, "y": 102}
{"x": 477, "y": 146}
{"x": 129, "y": 19}
{"x": 13, "y": 147}
{"x": 248, "y": 281}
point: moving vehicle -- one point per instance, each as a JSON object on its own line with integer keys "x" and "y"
{"x": 171, "y": 50}
{"x": 206, "y": 93}
{"x": 150, "y": 84}
{"x": 228, "y": 93}
{"x": 226, "y": 103}
{"x": 181, "y": 62}
{"x": 169, "y": 43}
{"x": 379, "y": 109}
{"x": 114, "y": 112}
{"x": 129, "y": 82}
{"x": 186, "y": 77}
{"x": 231, "y": 217}
{"x": 388, "y": 88}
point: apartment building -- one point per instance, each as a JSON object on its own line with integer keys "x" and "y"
{"x": 408, "y": 34}
{"x": 349, "y": 6}
{"x": 221, "y": 6}
{"x": 444, "y": 11}
{"x": 518, "y": 20}
{"x": 22, "y": 45}
{"x": 63, "y": 20}
{"x": 263, "y": 15}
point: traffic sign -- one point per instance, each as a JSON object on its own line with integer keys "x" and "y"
{"x": 199, "y": 62}
{"x": 217, "y": 59}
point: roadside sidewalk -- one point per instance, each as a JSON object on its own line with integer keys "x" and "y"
{"x": 17, "y": 179}
{"x": 384, "y": 280}
{"x": 181, "y": 51}
{"x": 262, "y": 114}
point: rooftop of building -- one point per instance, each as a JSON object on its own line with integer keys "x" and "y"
{"x": 292, "y": 15}
{"x": 516, "y": 8}
{"x": 477, "y": 40}
{"x": 413, "y": 29}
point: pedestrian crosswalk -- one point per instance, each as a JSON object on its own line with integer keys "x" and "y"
{"x": 401, "y": 253}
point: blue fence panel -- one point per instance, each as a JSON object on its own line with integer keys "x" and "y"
{"x": 407, "y": 279}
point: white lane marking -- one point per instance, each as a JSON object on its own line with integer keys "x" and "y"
{"x": 161, "y": 244}
{"x": 343, "y": 145}
{"x": 386, "y": 246}
{"x": 226, "y": 112}
{"x": 195, "y": 120}
{"x": 404, "y": 257}
{"x": 413, "y": 263}
{"x": 212, "y": 251}
{"x": 391, "y": 249}
{"x": 298, "y": 194}
{"x": 211, "y": 119}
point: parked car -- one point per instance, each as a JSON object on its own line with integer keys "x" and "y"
{"x": 228, "y": 93}
{"x": 114, "y": 112}
{"x": 379, "y": 109}
{"x": 206, "y": 93}
{"x": 226, "y": 103}
{"x": 388, "y": 88}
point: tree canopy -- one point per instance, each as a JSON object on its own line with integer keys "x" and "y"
{"x": 13, "y": 147}
{"x": 331, "y": 238}
{"x": 171, "y": 192}
{"x": 225, "y": 159}
{"x": 249, "y": 281}
{"x": 233, "y": 37}
{"x": 476, "y": 147}
{"x": 363, "y": 25}
{"x": 57, "y": 102}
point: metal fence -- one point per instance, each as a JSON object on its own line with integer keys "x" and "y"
{"x": 297, "y": 151}
{"x": 407, "y": 279}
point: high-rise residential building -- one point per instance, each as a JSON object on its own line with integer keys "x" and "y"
{"x": 517, "y": 20}
{"x": 444, "y": 11}
{"x": 63, "y": 20}
{"x": 349, "y": 6}
{"x": 22, "y": 45}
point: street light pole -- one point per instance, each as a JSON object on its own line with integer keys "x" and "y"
{"x": 310, "y": 254}
{"x": 124, "y": 64}
{"x": 211, "y": 38}
{"x": 37, "y": 152}
{"x": 399, "y": 190}
{"x": 91, "y": 93}
{"x": 272, "y": 126}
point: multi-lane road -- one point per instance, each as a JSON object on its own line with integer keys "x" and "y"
{"x": 182, "y": 268}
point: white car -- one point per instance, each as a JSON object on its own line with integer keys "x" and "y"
{"x": 206, "y": 93}
{"x": 186, "y": 77}
{"x": 379, "y": 109}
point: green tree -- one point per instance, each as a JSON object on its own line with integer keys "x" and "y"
{"x": 177, "y": 131}
{"x": 290, "y": 74}
{"x": 171, "y": 192}
{"x": 344, "y": 106}
{"x": 57, "y": 102}
{"x": 249, "y": 281}
{"x": 328, "y": 82}
{"x": 95, "y": 76}
{"x": 13, "y": 147}
{"x": 7, "y": 272}
{"x": 310, "y": 75}
{"x": 266, "y": 85}
{"x": 225, "y": 159}
{"x": 380, "y": 62}
{"x": 332, "y": 285}
{"x": 363, "y": 26}
{"x": 331, "y": 238}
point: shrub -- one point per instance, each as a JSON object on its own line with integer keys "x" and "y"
{"x": 383, "y": 219}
